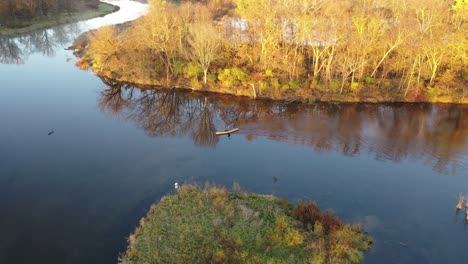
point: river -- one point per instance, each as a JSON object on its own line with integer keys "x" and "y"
{"x": 82, "y": 158}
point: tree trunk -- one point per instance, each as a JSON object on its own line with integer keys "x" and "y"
{"x": 205, "y": 72}
{"x": 254, "y": 92}
{"x": 345, "y": 77}
{"x": 410, "y": 76}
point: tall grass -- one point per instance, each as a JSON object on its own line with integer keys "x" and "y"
{"x": 213, "y": 225}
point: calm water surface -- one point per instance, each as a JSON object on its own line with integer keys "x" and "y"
{"x": 73, "y": 196}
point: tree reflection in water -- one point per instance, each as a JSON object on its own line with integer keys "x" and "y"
{"x": 204, "y": 133}
{"x": 436, "y": 134}
{"x": 162, "y": 112}
{"x": 15, "y": 50}
{"x": 10, "y": 53}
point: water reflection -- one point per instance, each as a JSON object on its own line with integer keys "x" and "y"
{"x": 15, "y": 50}
{"x": 10, "y": 53}
{"x": 163, "y": 112}
{"x": 434, "y": 134}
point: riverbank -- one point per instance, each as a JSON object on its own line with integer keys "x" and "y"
{"x": 222, "y": 49}
{"x": 238, "y": 83}
{"x": 321, "y": 93}
{"x": 217, "y": 226}
{"x": 83, "y": 13}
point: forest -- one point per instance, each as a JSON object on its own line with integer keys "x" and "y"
{"x": 345, "y": 50}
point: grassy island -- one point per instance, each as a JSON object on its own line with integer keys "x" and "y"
{"x": 212, "y": 225}
{"x": 347, "y": 50}
{"x": 22, "y": 16}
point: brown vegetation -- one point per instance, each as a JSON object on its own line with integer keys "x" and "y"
{"x": 309, "y": 214}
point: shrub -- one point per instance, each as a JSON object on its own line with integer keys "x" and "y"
{"x": 371, "y": 80}
{"x": 263, "y": 86}
{"x": 354, "y": 86}
{"x": 268, "y": 73}
{"x": 232, "y": 77}
{"x": 274, "y": 82}
{"x": 193, "y": 70}
{"x": 309, "y": 214}
{"x": 294, "y": 84}
{"x": 211, "y": 77}
{"x": 432, "y": 92}
{"x": 335, "y": 86}
{"x": 178, "y": 67}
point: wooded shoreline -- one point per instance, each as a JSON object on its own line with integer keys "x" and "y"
{"x": 196, "y": 46}
{"x": 304, "y": 98}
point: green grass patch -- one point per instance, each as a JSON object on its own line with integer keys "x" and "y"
{"x": 213, "y": 225}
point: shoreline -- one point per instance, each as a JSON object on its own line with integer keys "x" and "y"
{"x": 49, "y": 22}
{"x": 248, "y": 93}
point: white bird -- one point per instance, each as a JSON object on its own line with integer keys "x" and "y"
{"x": 176, "y": 185}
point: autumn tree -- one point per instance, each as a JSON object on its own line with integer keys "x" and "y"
{"x": 205, "y": 42}
{"x": 403, "y": 50}
{"x": 104, "y": 46}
